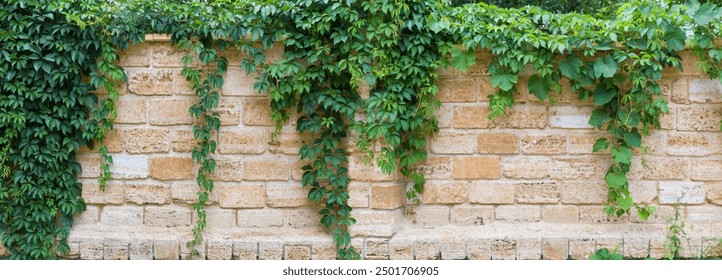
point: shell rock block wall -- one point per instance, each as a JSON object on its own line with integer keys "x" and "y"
{"x": 525, "y": 187}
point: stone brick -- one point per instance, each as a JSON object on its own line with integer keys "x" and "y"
{"x": 359, "y": 194}
{"x": 665, "y": 168}
{"x": 89, "y": 216}
{"x": 146, "y": 140}
{"x": 518, "y": 213}
{"x": 90, "y": 165}
{"x": 115, "y": 249}
{"x": 681, "y": 192}
{"x": 427, "y": 250}
{"x": 705, "y": 91}
{"x": 529, "y": 249}
{"x": 286, "y": 195}
{"x": 636, "y": 247}
{"x": 228, "y": 169}
{"x": 684, "y": 144}
{"x": 472, "y": 215}
{"x": 472, "y": 117}
{"x": 680, "y": 91}
{"x": 385, "y": 196}
{"x": 297, "y": 252}
{"x": 134, "y": 55}
{"x": 182, "y": 141}
{"x": 479, "y": 248}
{"x": 276, "y": 168}
{"x": 245, "y": 250}
{"x": 581, "y": 248}
{"x": 613, "y": 244}
{"x": 289, "y": 143}
{"x": 584, "y": 192}
{"x": 257, "y": 112}
{"x": 436, "y": 168}
{"x": 544, "y": 144}
{"x": 432, "y": 215}
{"x": 524, "y": 117}
{"x": 691, "y": 248}
{"x": 570, "y": 117}
{"x": 453, "y": 250}
{"x": 704, "y": 214}
{"x": 401, "y": 249}
{"x": 377, "y": 249}
{"x": 171, "y": 168}
{"x": 181, "y": 86}
{"x": 477, "y": 168}
{"x": 165, "y": 249}
{"x": 219, "y": 249}
{"x": 150, "y": 81}
{"x": 711, "y": 247}
{"x": 445, "y": 73}
{"x": 167, "y": 216}
{"x": 374, "y": 222}
{"x": 112, "y": 194}
{"x": 596, "y": 215}
{"x": 242, "y": 196}
{"x": 453, "y": 143}
{"x": 237, "y": 83}
{"x": 444, "y": 192}
{"x": 246, "y": 141}
{"x": 643, "y": 192}
{"x": 170, "y": 111}
{"x": 661, "y": 216}
{"x": 324, "y": 250}
{"x": 657, "y": 248}
{"x": 583, "y": 144}
{"x": 165, "y": 55}
{"x": 229, "y": 112}
{"x": 122, "y": 216}
{"x": 668, "y": 121}
{"x": 556, "y": 248}
{"x": 307, "y": 217}
{"x": 147, "y": 193}
{"x": 362, "y": 172}
{"x": 480, "y": 67}
{"x": 141, "y": 249}
{"x": 525, "y": 167}
{"x": 714, "y": 193}
{"x": 706, "y": 169}
{"x": 260, "y": 218}
{"x": 129, "y": 167}
{"x": 491, "y": 193}
{"x": 185, "y": 252}
{"x": 560, "y": 214}
{"x": 699, "y": 118}
{"x": 131, "y": 111}
{"x": 536, "y": 192}
{"x": 91, "y": 249}
{"x": 270, "y": 250}
{"x": 457, "y": 90}
{"x": 186, "y": 193}
{"x": 498, "y": 143}
{"x": 217, "y": 217}
{"x": 573, "y": 168}
{"x": 503, "y": 249}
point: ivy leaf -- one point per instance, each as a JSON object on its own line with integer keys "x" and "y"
{"x": 603, "y": 94}
{"x": 599, "y": 118}
{"x": 675, "y": 40}
{"x": 622, "y": 155}
{"x": 539, "y": 87}
{"x": 705, "y": 14}
{"x": 600, "y": 144}
{"x": 633, "y": 138}
{"x": 437, "y": 25}
{"x": 462, "y": 60}
{"x": 504, "y": 81}
{"x": 605, "y": 67}
{"x": 625, "y": 202}
{"x": 570, "y": 67}
{"x": 615, "y": 179}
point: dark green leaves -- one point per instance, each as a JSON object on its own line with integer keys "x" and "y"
{"x": 605, "y": 67}
{"x": 600, "y": 144}
{"x": 599, "y": 118}
{"x": 539, "y": 86}
{"x": 570, "y": 67}
{"x": 603, "y": 94}
{"x": 504, "y": 82}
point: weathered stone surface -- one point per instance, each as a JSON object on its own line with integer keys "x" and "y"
{"x": 518, "y": 213}
{"x": 457, "y": 90}
{"x": 491, "y": 193}
{"x": 172, "y": 168}
{"x": 453, "y": 143}
{"x": 286, "y": 195}
{"x": 560, "y": 214}
{"x": 122, "y": 216}
{"x": 529, "y": 249}
{"x": 170, "y": 111}
{"x": 245, "y": 141}
{"x": 681, "y": 192}
{"x": 498, "y": 143}
{"x": 146, "y": 140}
{"x": 477, "y": 167}
{"x": 468, "y": 215}
{"x": 167, "y": 216}
{"x": 389, "y": 196}
{"x": 537, "y": 192}
{"x": 242, "y": 196}
{"x": 145, "y": 193}
{"x": 503, "y": 249}
{"x": 260, "y": 218}
{"x": 525, "y": 167}
{"x": 472, "y": 117}
{"x": 544, "y": 144}
{"x": 570, "y": 117}
{"x": 245, "y": 250}
{"x": 525, "y": 117}
{"x": 444, "y": 192}
{"x": 556, "y": 248}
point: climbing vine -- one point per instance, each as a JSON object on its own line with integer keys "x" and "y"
{"x": 361, "y": 69}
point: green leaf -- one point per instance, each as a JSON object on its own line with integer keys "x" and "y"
{"x": 600, "y": 144}
{"x": 705, "y": 14}
{"x": 615, "y": 179}
{"x": 504, "y": 82}
{"x": 604, "y": 94}
{"x": 599, "y": 117}
{"x": 539, "y": 87}
{"x": 622, "y": 155}
{"x": 605, "y": 67}
{"x": 633, "y": 138}
{"x": 462, "y": 60}
{"x": 625, "y": 202}
{"x": 570, "y": 67}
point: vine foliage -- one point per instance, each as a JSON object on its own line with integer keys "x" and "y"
{"x": 361, "y": 69}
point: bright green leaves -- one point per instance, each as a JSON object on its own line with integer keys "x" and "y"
{"x": 539, "y": 86}
{"x": 600, "y": 145}
{"x": 504, "y": 82}
{"x": 706, "y": 13}
{"x": 622, "y": 155}
{"x": 616, "y": 179}
{"x": 605, "y": 67}
{"x": 462, "y": 60}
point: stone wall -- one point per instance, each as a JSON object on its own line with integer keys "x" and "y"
{"x": 527, "y": 187}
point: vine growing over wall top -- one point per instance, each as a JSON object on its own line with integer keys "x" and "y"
{"x": 333, "y": 49}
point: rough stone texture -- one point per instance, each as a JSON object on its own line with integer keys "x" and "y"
{"x": 636, "y": 248}
{"x": 596, "y": 215}
{"x": 263, "y": 218}
{"x": 444, "y": 192}
{"x": 453, "y": 250}
{"x": 436, "y": 168}
{"x": 705, "y": 91}
{"x": 518, "y": 214}
{"x": 432, "y": 215}
{"x": 503, "y": 249}
{"x": 498, "y": 143}
{"x": 257, "y": 112}
{"x": 584, "y": 192}
{"x": 167, "y": 216}
{"x": 525, "y": 117}
{"x": 562, "y": 214}
{"x": 245, "y": 250}
{"x": 140, "y": 249}
{"x": 271, "y": 169}
{"x": 570, "y": 117}
{"x": 387, "y": 196}
{"x": 165, "y": 249}
{"x": 525, "y": 167}
{"x": 468, "y": 215}
{"x": 491, "y": 193}
{"x": 131, "y": 110}
{"x": 243, "y": 141}
{"x": 479, "y": 249}
{"x": 459, "y": 90}
{"x": 172, "y": 168}
{"x": 142, "y": 141}
{"x": 581, "y": 248}
{"x": 699, "y": 118}
{"x": 114, "y": 249}
{"x": 556, "y": 248}
{"x": 170, "y": 111}
{"x": 112, "y": 194}
{"x": 529, "y": 249}
{"x": 401, "y": 249}
{"x": 270, "y": 250}
{"x": 377, "y": 249}
{"x": 564, "y": 168}
{"x": 219, "y": 249}
{"x": 706, "y": 169}
{"x": 150, "y": 81}
{"x": 242, "y": 196}
{"x": 537, "y": 192}
{"x": 477, "y": 168}
{"x": 472, "y": 117}
{"x": 682, "y": 193}
{"x": 122, "y": 216}
{"x": 281, "y": 195}
{"x": 129, "y": 167}
{"x": 297, "y": 252}
{"x": 427, "y": 250}
{"x": 228, "y": 169}
{"x": 544, "y": 145}
{"x": 142, "y": 193}
{"x": 453, "y": 143}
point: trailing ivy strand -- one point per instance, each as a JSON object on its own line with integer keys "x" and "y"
{"x": 366, "y": 69}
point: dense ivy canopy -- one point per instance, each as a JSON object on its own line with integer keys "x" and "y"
{"x": 333, "y": 49}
